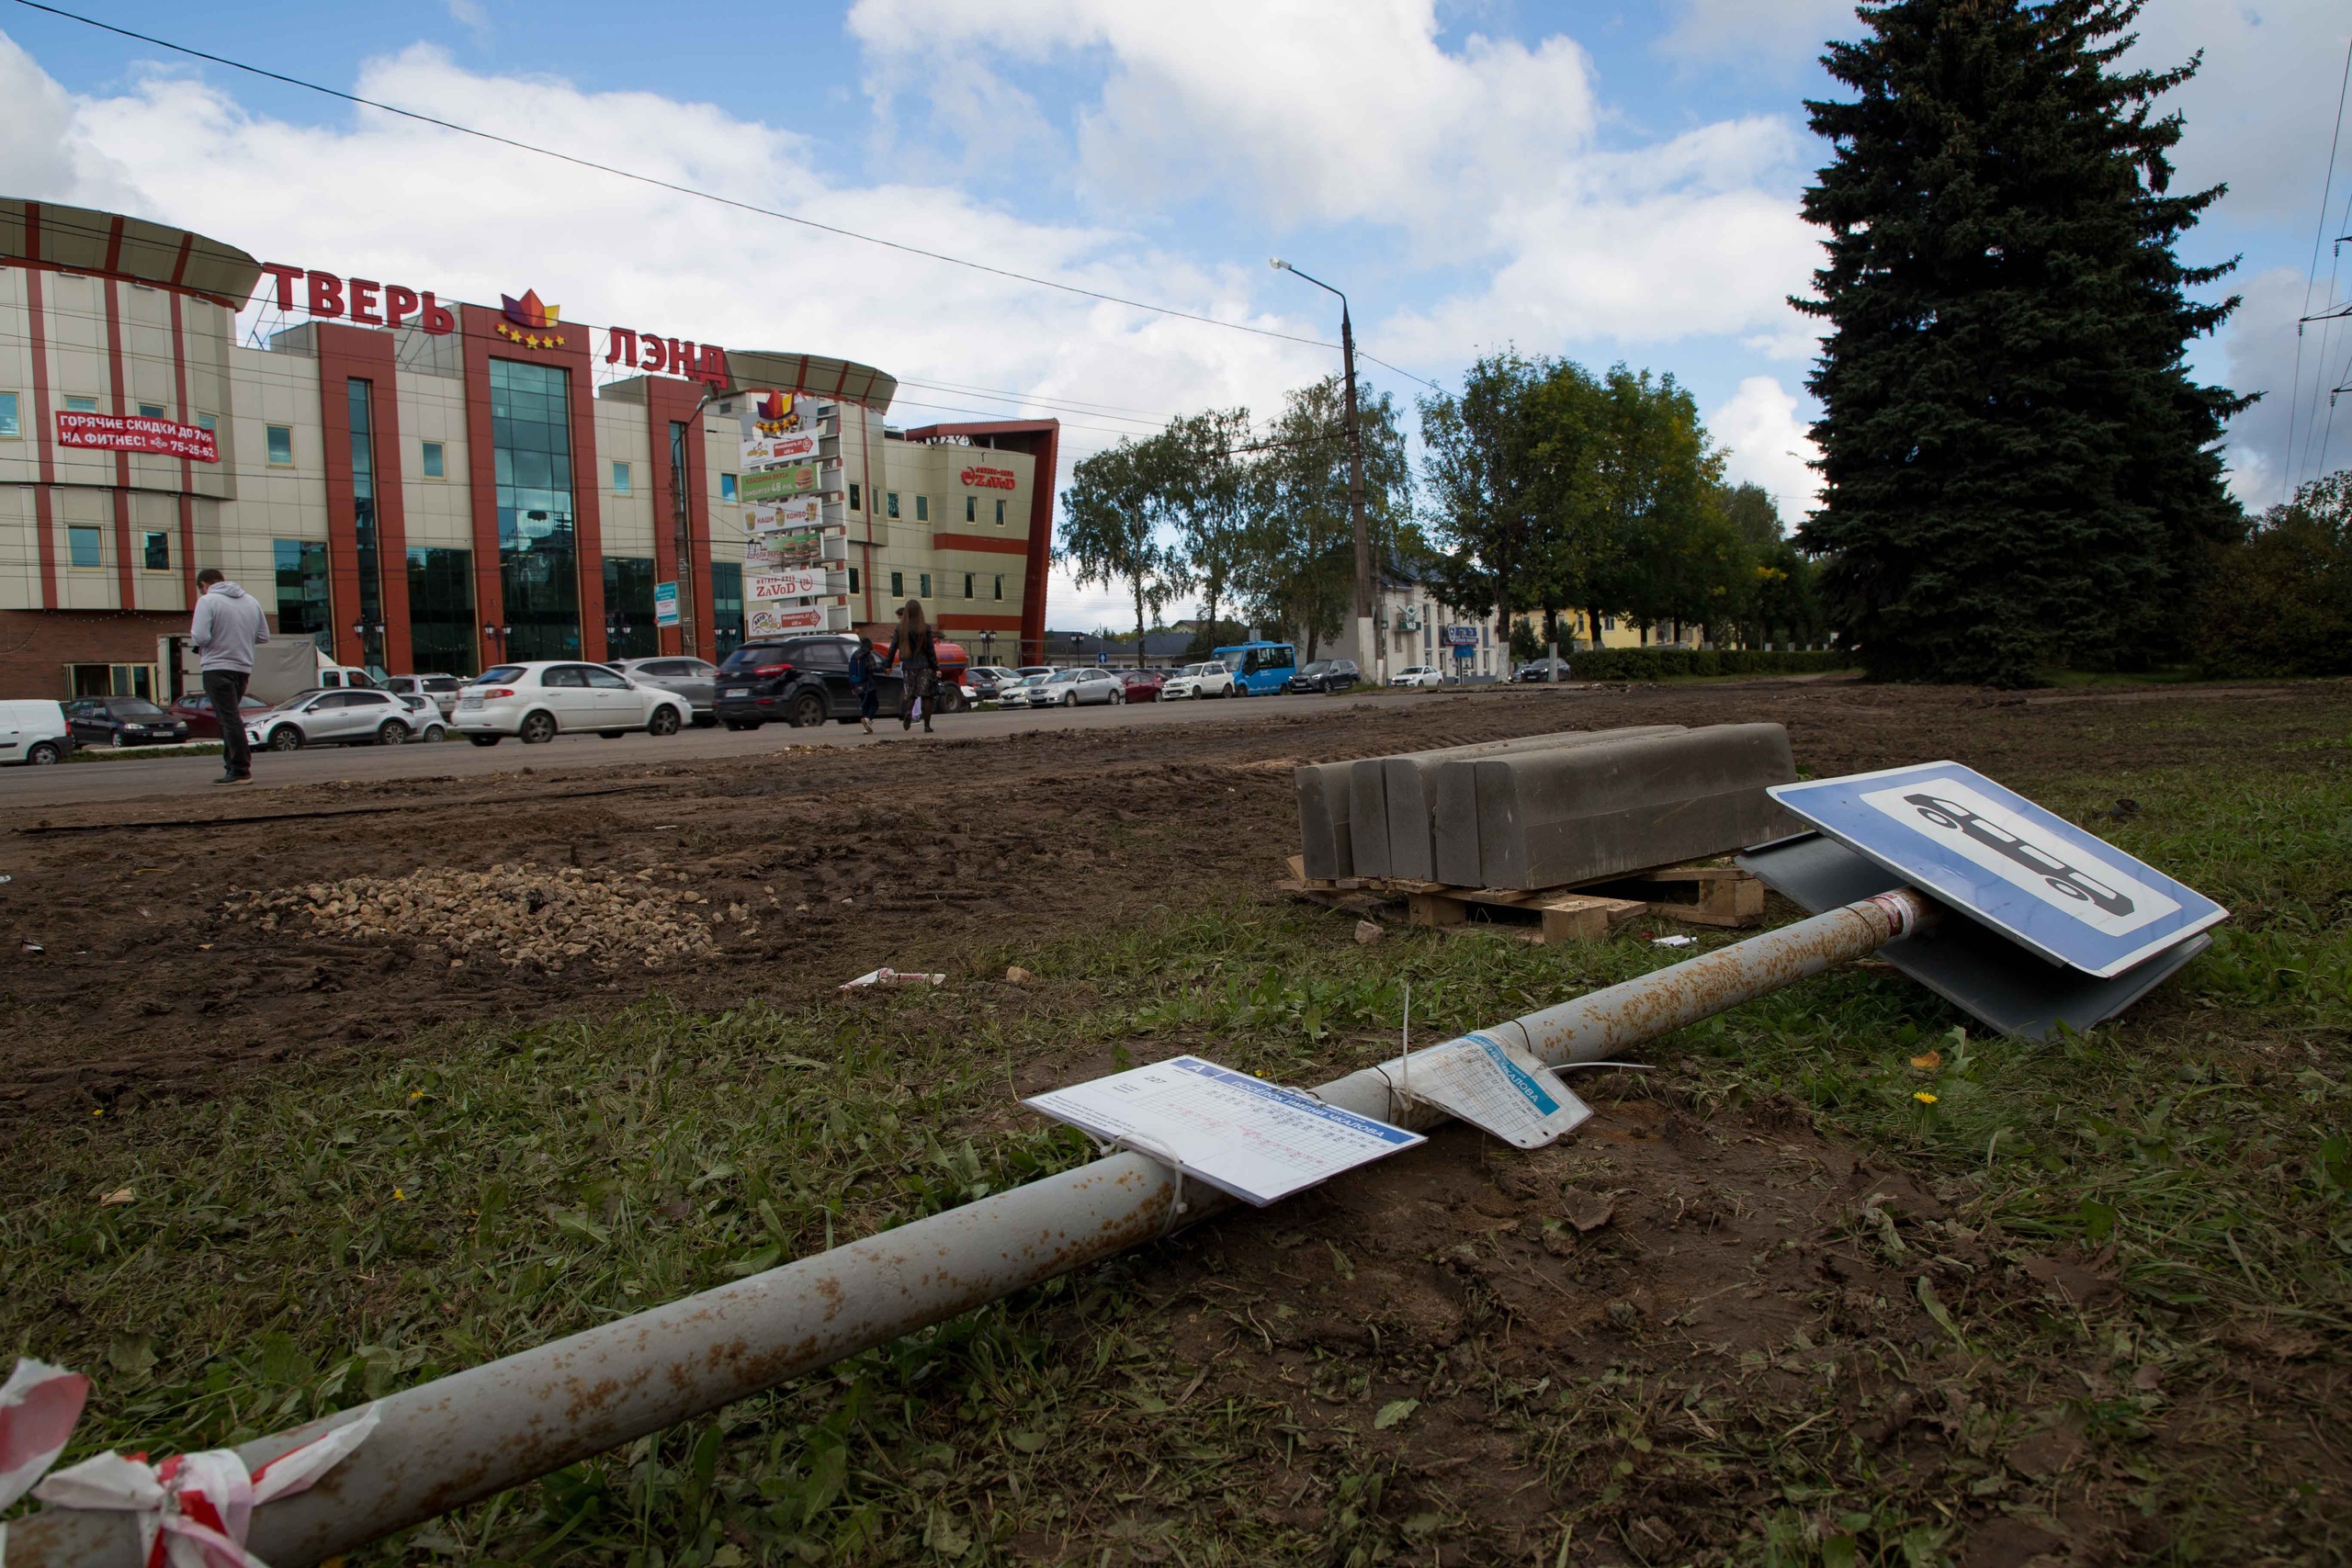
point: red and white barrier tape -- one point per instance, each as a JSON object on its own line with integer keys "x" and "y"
{"x": 193, "y": 1509}
{"x": 38, "y": 1405}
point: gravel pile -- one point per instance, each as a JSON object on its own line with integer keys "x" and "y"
{"x": 512, "y": 914}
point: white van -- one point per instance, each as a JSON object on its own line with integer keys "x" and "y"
{"x": 33, "y": 731}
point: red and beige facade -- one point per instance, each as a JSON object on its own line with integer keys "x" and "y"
{"x": 432, "y": 486}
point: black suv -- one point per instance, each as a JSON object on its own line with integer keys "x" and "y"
{"x": 1325, "y": 675}
{"x": 803, "y": 681}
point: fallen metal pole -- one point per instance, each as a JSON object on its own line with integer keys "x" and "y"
{"x": 457, "y": 1439}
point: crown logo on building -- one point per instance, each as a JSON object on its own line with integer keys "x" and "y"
{"x": 774, "y": 405}
{"x": 529, "y": 311}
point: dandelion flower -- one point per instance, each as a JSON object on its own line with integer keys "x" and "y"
{"x": 1923, "y": 1097}
{"x": 415, "y": 1094}
{"x": 399, "y": 1196}
{"x": 97, "y": 1111}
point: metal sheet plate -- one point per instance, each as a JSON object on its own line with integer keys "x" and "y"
{"x": 2001, "y": 860}
{"x": 1984, "y": 974}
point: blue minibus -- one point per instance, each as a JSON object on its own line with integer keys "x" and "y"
{"x": 1258, "y": 667}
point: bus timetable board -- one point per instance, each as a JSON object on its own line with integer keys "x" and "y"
{"x": 2026, "y": 872}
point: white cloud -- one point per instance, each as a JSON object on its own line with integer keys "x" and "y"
{"x": 1482, "y": 158}
{"x": 1676, "y": 240}
{"x": 2283, "y": 440}
{"x": 1766, "y": 442}
{"x": 474, "y": 18}
{"x": 1774, "y": 33}
{"x": 1315, "y": 109}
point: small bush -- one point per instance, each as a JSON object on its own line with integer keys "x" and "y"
{"x": 1656, "y": 663}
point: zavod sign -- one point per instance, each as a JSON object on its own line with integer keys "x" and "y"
{"x": 989, "y": 478}
{"x": 327, "y": 297}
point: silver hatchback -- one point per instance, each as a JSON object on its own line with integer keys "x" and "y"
{"x": 692, "y": 679}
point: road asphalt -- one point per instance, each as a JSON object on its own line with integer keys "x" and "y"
{"x": 134, "y": 778}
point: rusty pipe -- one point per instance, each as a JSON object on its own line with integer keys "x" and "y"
{"x": 442, "y": 1445}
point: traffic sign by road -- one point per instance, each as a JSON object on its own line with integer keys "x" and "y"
{"x": 1997, "y": 857}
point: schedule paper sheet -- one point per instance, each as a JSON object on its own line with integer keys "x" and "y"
{"x": 1256, "y": 1140}
{"x": 1507, "y": 1092}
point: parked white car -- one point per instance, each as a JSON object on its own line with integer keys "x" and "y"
{"x": 536, "y": 702}
{"x": 345, "y": 717}
{"x": 34, "y": 730}
{"x": 1210, "y": 680}
{"x": 442, "y": 690}
{"x": 1419, "y": 675}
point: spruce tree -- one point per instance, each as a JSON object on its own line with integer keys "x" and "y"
{"x": 2019, "y": 469}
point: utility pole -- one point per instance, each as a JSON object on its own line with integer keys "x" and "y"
{"x": 1367, "y": 643}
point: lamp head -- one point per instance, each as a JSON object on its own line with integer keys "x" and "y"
{"x": 1278, "y": 264}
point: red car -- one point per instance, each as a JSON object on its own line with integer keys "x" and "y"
{"x": 203, "y": 724}
{"x": 1140, "y": 685}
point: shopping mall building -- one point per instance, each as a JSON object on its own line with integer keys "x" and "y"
{"x": 425, "y": 485}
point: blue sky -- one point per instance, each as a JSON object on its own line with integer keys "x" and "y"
{"x": 1610, "y": 182}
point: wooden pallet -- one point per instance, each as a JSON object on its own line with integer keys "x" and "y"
{"x": 1711, "y": 896}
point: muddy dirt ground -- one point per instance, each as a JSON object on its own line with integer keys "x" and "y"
{"x": 150, "y": 949}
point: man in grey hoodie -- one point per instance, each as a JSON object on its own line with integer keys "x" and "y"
{"x": 229, "y": 622}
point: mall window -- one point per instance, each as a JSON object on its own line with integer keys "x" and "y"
{"x": 727, "y": 487}
{"x": 898, "y": 585}
{"x": 853, "y": 579}
{"x": 82, "y": 547}
{"x": 208, "y": 423}
{"x": 968, "y": 585}
{"x": 1000, "y": 513}
{"x": 891, "y": 504}
{"x": 971, "y": 508}
{"x": 620, "y": 479}
{"x": 999, "y": 586}
{"x": 726, "y": 606}
{"x": 441, "y": 610}
{"x": 437, "y": 462}
{"x": 81, "y": 405}
{"x": 630, "y": 628}
{"x": 530, "y": 434}
{"x": 854, "y": 499}
{"x": 151, "y": 411}
{"x": 9, "y": 424}
{"x": 155, "y": 551}
{"x": 359, "y": 399}
{"x": 923, "y": 509}
{"x": 302, "y": 591}
{"x": 924, "y": 593}
{"x": 281, "y": 445}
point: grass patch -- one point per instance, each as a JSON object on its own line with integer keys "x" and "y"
{"x": 226, "y": 1270}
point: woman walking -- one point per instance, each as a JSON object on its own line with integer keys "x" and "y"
{"x": 911, "y": 650}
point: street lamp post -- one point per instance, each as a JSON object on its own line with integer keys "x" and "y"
{"x": 1368, "y": 648}
{"x": 498, "y": 634}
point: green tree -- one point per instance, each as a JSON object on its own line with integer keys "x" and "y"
{"x": 1486, "y": 477}
{"x": 1662, "y": 548}
{"x": 2017, "y": 466}
{"x": 1201, "y": 475}
{"x": 1297, "y": 565}
{"x": 2279, "y": 601}
{"x": 1110, "y": 532}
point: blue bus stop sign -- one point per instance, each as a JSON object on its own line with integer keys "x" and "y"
{"x": 1995, "y": 856}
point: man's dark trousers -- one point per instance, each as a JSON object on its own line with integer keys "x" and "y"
{"x": 225, "y": 689}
